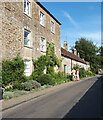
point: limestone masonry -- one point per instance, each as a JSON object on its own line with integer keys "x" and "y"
{"x": 26, "y": 27}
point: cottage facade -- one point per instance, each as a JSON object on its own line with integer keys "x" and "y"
{"x": 70, "y": 59}
{"x": 26, "y": 28}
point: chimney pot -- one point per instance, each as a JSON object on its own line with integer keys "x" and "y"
{"x": 75, "y": 51}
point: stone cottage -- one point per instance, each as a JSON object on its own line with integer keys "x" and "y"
{"x": 26, "y": 27}
{"x": 71, "y": 59}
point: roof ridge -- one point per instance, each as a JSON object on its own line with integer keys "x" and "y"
{"x": 72, "y": 56}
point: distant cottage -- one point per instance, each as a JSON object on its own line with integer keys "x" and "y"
{"x": 26, "y": 27}
{"x": 71, "y": 59}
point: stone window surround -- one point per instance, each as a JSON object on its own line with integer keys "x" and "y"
{"x": 42, "y": 18}
{"x": 28, "y": 69}
{"x": 44, "y": 45}
{"x": 52, "y": 27}
{"x": 30, "y": 45}
{"x": 26, "y": 11}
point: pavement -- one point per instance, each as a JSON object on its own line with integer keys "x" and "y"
{"x": 61, "y": 101}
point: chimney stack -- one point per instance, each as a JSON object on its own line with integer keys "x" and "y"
{"x": 65, "y": 46}
{"x": 75, "y": 51}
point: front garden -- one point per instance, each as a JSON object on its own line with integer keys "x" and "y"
{"x": 15, "y": 83}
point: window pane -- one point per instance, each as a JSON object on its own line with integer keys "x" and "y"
{"x": 26, "y": 38}
{"x": 52, "y": 26}
{"x": 41, "y": 18}
{"x": 24, "y": 5}
{"x": 27, "y": 7}
{"x": 42, "y": 44}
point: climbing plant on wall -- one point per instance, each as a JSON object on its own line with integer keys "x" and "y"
{"x": 52, "y": 59}
{"x": 46, "y": 62}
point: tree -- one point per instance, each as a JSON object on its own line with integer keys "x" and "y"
{"x": 88, "y": 51}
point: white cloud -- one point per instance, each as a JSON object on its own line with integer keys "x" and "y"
{"x": 70, "y": 19}
{"x": 95, "y": 37}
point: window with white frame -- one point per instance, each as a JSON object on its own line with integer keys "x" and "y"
{"x": 27, "y": 67}
{"x": 52, "y": 26}
{"x": 26, "y": 38}
{"x": 27, "y": 7}
{"x": 43, "y": 44}
{"x": 41, "y": 18}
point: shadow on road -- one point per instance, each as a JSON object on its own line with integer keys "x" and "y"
{"x": 90, "y": 105}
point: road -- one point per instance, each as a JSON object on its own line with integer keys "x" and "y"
{"x": 82, "y": 99}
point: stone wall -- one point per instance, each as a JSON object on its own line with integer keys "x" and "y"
{"x": 14, "y": 21}
{"x": 70, "y": 63}
{"x": 66, "y": 61}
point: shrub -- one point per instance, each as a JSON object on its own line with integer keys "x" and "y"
{"x": 58, "y": 75}
{"x": 59, "y": 78}
{"x": 76, "y": 67}
{"x": 39, "y": 66}
{"x": 13, "y": 72}
{"x": 29, "y": 85}
{"x": 46, "y": 79}
{"x": 82, "y": 72}
{"x": 8, "y": 95}
{"x": 70, "y": 77}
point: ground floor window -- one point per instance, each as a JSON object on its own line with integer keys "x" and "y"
{"x": 27, "y": 67}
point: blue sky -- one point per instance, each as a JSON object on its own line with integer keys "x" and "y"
{"x": 78, "y": 19}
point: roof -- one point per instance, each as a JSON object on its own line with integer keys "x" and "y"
{"x": 47, "y": 11}
{"x": 72, "y": 56}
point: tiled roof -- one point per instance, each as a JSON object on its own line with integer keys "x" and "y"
{"x": 72, "y": 56}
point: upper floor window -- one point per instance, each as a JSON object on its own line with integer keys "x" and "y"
{"x": 43, "y": 45}
{"x": 26, "y": 38}
{"x": 27, "y": 7}
{"x": 52, "y": 27}
{"x": 41, "y": 18}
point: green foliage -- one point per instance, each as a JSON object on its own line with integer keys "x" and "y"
{"x": 76, "y": 67}
{"x": 70, "y": 77}
{"x": 46, "y": 79}
{"x": 89, "y": 51}
{"x": 13, "y": 72}
{"x": 39, "y": 66}
{"x": 52, "y": 59}
{"x": 48, "y": 62}
{"x": 59, "y": 78}
{"x": 29, "y": 85}
{"x": 86, "y": 49}
{"x": 82, "y": 73}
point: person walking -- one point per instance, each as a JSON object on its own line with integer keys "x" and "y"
{"x": 77, "y": 74}
{"x": 74, "y": 76}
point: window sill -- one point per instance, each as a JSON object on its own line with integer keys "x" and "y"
{"x": 28, "y": 47}
{"x": 27, "y": 15}
{"x": 52, "y": 32}
{"x": 42, "y": 25}
{"x": 43, "y": 51}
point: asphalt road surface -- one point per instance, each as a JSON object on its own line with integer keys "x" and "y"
{"x": 82, "y": 99}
